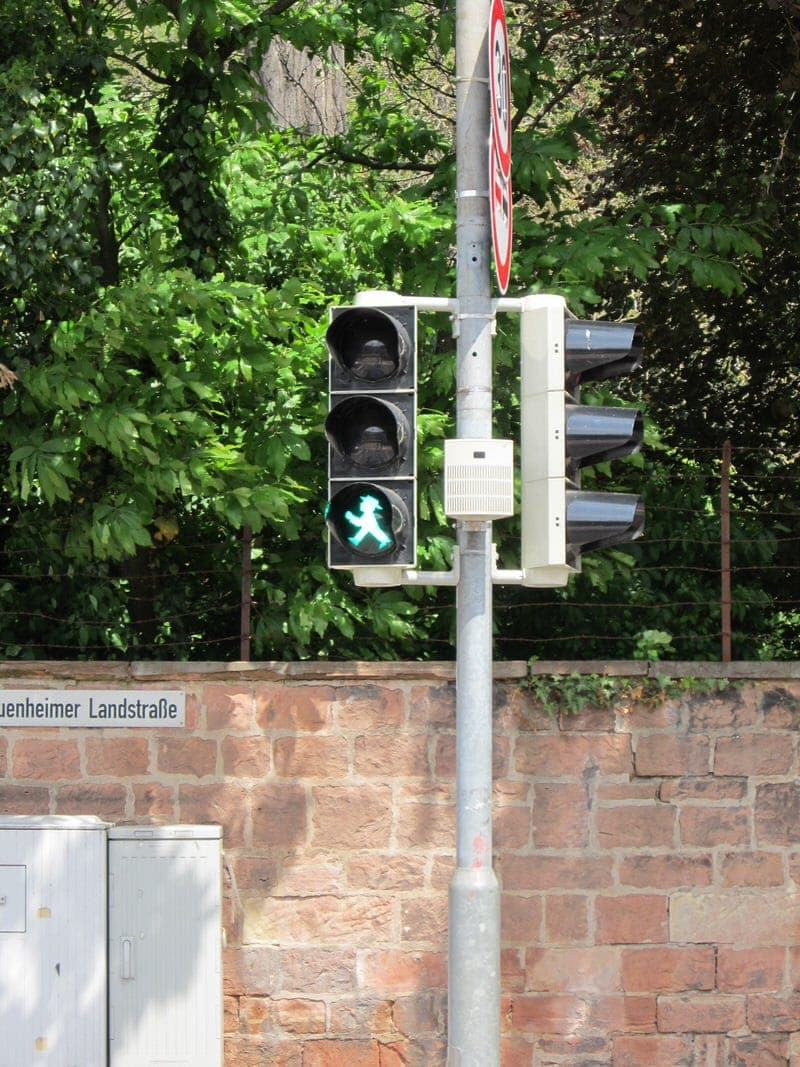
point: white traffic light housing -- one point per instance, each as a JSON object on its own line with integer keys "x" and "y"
{"x": 371, "y": 431}
{"x": 560, "y": 435}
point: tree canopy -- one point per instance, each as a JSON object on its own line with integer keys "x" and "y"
{"x": 169, "y": 249}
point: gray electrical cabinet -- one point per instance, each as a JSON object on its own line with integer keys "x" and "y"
{"x": 165, "y": 946}
{"x": 52, "y": 941}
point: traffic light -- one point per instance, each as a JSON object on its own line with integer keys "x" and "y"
{"x": 560, "y": 436}
{"x": 371, "y": 509}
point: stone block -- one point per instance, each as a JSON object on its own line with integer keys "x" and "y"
{"x": 754, "y": 754}
{"x": 661, "y": 755}
{"x": 45, "y": 759}
{"x": 700, "y": 1013}
{"x": 731, "y": 917}
{"x": 632, "y": 919}
{"x": 667, "y": 969}
{"x": 351, "y": 817}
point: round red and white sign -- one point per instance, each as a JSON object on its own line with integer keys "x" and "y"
{"x": 500, "y": 84}
{"x": 502, "y": 227}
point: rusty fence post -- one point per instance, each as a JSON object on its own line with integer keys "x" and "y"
{"x": 725, "y": 550}
{"x": 247, "y": 593}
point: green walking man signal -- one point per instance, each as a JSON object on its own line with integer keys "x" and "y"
{"x": 366, "y": 523}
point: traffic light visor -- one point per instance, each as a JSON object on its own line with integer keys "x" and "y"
{"x": 596, "y": 520}
{"x": 367, "y": 519}
{"x": 596, "y": 351}
{"x": 370, "y": 433}
{"x": 597, "y": 434}
{"x": 368, "y": 344}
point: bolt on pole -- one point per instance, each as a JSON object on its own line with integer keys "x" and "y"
{"x": 474, "y": 898}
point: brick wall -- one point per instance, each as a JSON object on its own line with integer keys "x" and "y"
{"x": 649, "y": 858}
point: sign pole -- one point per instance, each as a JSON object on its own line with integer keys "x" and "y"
{"x": 474, "y": 898}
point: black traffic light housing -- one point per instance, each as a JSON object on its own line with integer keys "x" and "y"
{"x": 371, "y": 431}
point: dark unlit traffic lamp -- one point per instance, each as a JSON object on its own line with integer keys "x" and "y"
{"x": 369, "y": 345}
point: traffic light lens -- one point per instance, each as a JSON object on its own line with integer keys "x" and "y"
{"x": 363, "y": 517}
{"x": 368, "y": 344}
{"x": 373, "y": 360}
{"x": 368, "y": 432}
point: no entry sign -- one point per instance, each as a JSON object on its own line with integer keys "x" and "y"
{"x": 500, "y": 206}
{"x": 500, "y": 84}
{"x": 500, "y": 144}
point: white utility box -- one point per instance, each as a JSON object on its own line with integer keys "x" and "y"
{"x": 478, "y": 479}
{"x": 165, "y": 946}
{"x": 52, "y": 941}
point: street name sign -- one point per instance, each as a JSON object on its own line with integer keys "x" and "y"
{"x": 92, "y": 707}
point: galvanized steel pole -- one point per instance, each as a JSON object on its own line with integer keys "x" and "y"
{"x": 474, "y": 903}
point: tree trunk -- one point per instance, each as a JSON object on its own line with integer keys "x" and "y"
{"x": 304, "y": 92}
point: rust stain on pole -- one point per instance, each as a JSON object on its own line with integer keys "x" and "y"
{"x": 725, "y": 550}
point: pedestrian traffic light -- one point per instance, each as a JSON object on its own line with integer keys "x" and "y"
{"x": 560, "y": 436}
{"x": 371, "y": 509}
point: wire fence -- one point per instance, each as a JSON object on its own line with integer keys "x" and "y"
{"x": 720, "y": 586}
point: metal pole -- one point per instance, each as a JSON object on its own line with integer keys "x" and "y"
{"x": 474, "y": 900}
{"x": 725, "y": 549}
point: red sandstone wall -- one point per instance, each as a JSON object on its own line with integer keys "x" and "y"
{"x": 650, "y": 862}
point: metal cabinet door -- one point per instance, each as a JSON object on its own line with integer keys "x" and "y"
{"x": 52, "y": 941}
{"x": 165, "y": 947}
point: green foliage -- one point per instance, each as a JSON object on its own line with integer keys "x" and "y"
{"x": 168, "y": 255}
{"x": 148, "y": 397}
{"x": 578, "y": 256}
{"x": 573, "y": 693}
{"x": 652, "y": 645}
